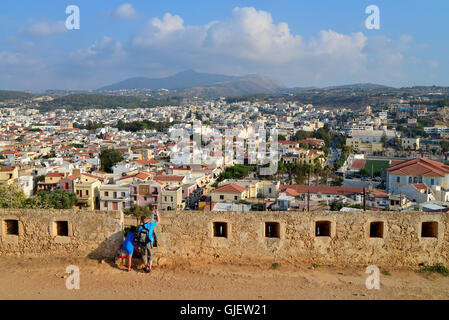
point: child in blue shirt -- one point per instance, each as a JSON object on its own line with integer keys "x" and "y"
{"x": 128, "y": 245}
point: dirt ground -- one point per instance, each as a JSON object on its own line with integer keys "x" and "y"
{"x": 44, "y": 278}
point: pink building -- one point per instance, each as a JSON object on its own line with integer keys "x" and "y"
{"x": 146, "y": 193}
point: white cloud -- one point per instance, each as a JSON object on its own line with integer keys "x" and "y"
{"x": 126, "y": 12}
{"x": 250, "y": 41}
{"x": 105, "y": 51}
{"x": 169, "y": 23}
{"x": 43, "y": 28}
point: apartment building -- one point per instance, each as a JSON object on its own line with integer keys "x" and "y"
{"x": 146, "y": 193}
{"x": 171, "y": 198}
{"x": 230, "y": 193}
{"x": 114, "y": 197}
{"x": 8, "y": 174}
{"x": 87, "y": 193}
{"x": 419, "y": 179}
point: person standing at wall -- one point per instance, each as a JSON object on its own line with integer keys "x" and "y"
{"x": 128, "y": 246}
{"x": 146, "y": 239}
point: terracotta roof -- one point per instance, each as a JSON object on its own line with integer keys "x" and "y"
{"x": 312, "y": 141}
{"x": 168, "y": 177}
{"x": 396, "y": 162}
{"x": 54, "y": 174}
{"x": 100, "y": 172}
{"x": 7, "y": 168}
{"x": 358, "y": 164}
{"x": 140, "y": 175}
{"x": 340, "y": 190}
{"x": 289, "y": 142}
{"x": 230, "y": 188}
{"x": 291, "y": 192}
{"x": 420, "y": 167}
{"x": 420, "y": 186}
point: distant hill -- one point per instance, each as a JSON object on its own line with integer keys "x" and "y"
{"x": 94, "y": 100}
{"x": 366, "y": 86}
{"x": 191, "y": 83}
{"x": 6, "y": 95}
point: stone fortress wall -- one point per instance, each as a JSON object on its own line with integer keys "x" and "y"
{"x": 328, "y": 238}
{"x": 36, "y": 232}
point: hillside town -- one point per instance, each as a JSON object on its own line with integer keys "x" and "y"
{"x": 386, "y": 157}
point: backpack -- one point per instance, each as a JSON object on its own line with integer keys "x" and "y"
{"x": 144, "y": 236}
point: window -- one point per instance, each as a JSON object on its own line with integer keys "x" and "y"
{"x": 115, "y": 195}
{"x": 87, "y": 192}
{"x": 272, "y": 230}
{"x": 105, "y": 204}
{"x": 398, "y": 179}
{"x": 221, "y": 229}
{"x": 106, "y": 194}
{"x": 123, "y": 194}
{"x": 171, "y": 199}
{"x": 221, "y": 197}
{"x": 11, "y": 227}
{"x": 429, "y": 229}
{"x": 376, "y": 229}
{"x": 235, "y": 197}
{"x": 410, "y": 181}
{"x": 62, "y": 228}
{"x": 432, "y": 182}
{"x": 323, "y": 228}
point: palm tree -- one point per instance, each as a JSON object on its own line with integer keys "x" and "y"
{"x": 325, "y": 174}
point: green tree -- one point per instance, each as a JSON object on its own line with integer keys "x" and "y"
{"x": 301, "y": 135}
{"x": 138, "y": 211}
{"x": 384, "y": 140}
{"x": 11, "y": 196}
{"x": 57, "y": 199}
{"x": 444, "y": 146}
{"x": 109, "y": 158}
{"x": 336, "y": 206}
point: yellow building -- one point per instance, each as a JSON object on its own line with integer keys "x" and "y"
{"x": 51, "y": 181}
{"x": 87, "y": 193}
{"x": 230, "y": 193}
{"x": 360, "y": 146}
{"x": 171, "y": 198}
{"x": 8, "y": 174}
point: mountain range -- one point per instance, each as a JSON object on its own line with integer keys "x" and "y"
{"x": 192, "y": 83}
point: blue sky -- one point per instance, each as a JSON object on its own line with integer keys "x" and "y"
{"x": 300, "y": 43}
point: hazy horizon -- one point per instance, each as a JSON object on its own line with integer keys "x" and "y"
{"x": 298, "y": 43}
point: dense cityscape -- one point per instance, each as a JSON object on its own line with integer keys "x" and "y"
{"x": 230, "y": 157}
{"x": 386, "y": 156}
